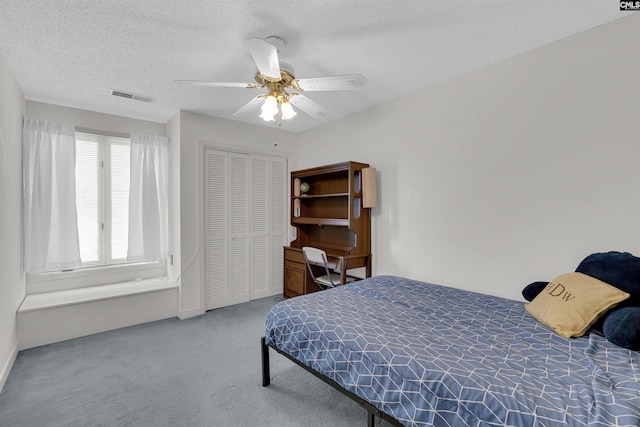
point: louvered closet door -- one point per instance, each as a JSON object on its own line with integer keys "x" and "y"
{"x": 260, "y": 280}
{"x": 268, "y": 184}
{"x": 216, "y": 229}
{"x": 278, "y": 221}
{"x": 246, "y": 212}
{"x": 239, "y": 219}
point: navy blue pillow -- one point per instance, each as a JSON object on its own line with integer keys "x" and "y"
{"x": 619, "y": 269}
{"x": 533, "y": 289}
{"x": 622, "y": 327}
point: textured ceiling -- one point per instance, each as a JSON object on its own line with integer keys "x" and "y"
{"x": 73, "y": 52}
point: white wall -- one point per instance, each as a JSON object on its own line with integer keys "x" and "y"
{"x": 12, "y": 284}
{"x": 196, "y": 129}
{"x": 509, "y": 174}
{"x": 93, "y": 120}
{"x": 173, "y": 132}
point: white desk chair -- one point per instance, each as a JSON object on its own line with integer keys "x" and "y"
{"x": 315, "y": 256}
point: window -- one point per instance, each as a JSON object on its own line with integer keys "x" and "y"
{"x": 102, "y": 198}
{"x": 102, "y": 202}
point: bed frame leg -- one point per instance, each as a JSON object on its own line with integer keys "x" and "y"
{"x": 371, "y": 419}
{"x": 266, "y": 373}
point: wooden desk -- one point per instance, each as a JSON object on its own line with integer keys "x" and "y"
{"x": 298, "y": 281}
{"x": 329, "y": 215}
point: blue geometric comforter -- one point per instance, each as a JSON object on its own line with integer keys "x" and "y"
{"x": 431, "y": 355}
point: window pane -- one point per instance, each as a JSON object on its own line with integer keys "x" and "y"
{"x": 87, "y": 199}
{"x": 119, "y": 200}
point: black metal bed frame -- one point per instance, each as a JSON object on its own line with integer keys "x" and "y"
{"x": 372, "y": 411}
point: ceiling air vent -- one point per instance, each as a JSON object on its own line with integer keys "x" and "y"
{"x": 129, "y": 95}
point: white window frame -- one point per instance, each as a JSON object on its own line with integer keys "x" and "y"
{"x": 106, "y": 270}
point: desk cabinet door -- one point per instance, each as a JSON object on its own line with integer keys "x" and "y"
{"x": 295, "y": 276}
{"x": 297, "y": 280}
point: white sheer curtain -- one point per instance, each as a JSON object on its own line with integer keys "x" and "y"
{"x": 50, "y": 219}
{"x": 148, "y": 198}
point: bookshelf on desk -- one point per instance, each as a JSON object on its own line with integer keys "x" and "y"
{"x": 329, "y": 216}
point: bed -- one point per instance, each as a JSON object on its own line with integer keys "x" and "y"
{"x": 418, "y": 354}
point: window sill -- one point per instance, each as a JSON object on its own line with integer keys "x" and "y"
{"x": 93, "y": 276}
{"x": 67, "y": 297}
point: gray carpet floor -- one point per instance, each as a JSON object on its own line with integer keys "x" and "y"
{"x": 203, "y": 371}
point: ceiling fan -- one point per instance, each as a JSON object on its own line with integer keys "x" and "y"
{"x": 282, "y": 87}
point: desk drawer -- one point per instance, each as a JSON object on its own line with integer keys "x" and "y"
{"x": 293, "y": 254}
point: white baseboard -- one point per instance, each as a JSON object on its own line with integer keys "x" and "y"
{"x": 6, "y": 369}
{"x": 191, "y": 312}
{"x": 266, "y": 293}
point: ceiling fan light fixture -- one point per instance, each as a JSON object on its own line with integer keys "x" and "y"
{"x": 269, "y": 109}
{"x": 287, "y": 111}
{"x": 276, "y": 77}
{"x": 267, "y": 117}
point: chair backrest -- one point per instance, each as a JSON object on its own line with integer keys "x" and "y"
{"x": 315, "y": 255}
{"x": 318, "y": 257}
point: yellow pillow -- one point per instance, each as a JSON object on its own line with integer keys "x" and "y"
{"x": 572, "y": 302}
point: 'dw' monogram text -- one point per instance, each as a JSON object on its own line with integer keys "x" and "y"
{"x": 558, "y": 290}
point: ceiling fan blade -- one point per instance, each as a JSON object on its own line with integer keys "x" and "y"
{"x": 308, "y": 106}
{"x": 265, "y": 55}
{"x": 217, "y": 84}
{"x": 250, "y": 106}
{"x": 348, "y": 82}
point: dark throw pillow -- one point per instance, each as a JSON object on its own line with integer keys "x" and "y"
{"x": 619, "y": 269}
{"x": 622, "y": 327}
{"x": 533, "y": 289}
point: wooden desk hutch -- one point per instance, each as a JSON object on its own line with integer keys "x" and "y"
{"x": 329, "y": 216}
